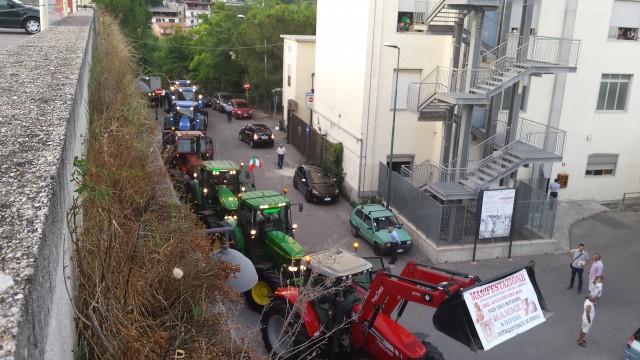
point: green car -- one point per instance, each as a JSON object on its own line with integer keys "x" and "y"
{"x": 371, "y": 222}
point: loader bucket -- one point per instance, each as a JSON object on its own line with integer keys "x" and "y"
{"x": 494, "y": 310}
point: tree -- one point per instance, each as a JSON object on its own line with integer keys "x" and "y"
{"x": 174, "y": 55}
{"x": 259, "y": 44}
{"x": 215, "y": 64}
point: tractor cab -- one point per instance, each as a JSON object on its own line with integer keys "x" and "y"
{"x": 184, "y": 116}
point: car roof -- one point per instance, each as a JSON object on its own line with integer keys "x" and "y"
{"x": 376, "y": 210}
{"x": 259, "y": 126}
{"x": 312, "y": 167}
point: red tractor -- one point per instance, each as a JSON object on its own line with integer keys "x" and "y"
{"x": 347, "y": 310}
{"x": 186, "y": 150}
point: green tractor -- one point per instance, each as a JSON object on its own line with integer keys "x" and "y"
{"x": 264, "y": 233}
{"x": 212, "y": 190}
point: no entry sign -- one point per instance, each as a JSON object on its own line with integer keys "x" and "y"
{"x": 247, "y": 85}
{"x": 310, "y": 100}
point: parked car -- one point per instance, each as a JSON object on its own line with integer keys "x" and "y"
{"x": 257, "y": 134}
{"x": 372, "y": 221}
{"x": 316, "y": 184}
{"x": 632, "y": 351}
{"x": 18, "y": 15}
{"x": 220, "y": 99}
{"x": 207, "y": 100}
{"x": 241, "y": 109}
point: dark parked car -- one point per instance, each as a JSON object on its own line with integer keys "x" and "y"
{"x": 256, "y": 134}
{"x": 18, "y": 15}
{"x": 632, "y": 351}
{"x": 220, "y": 99}
{"x": 316, "y": 184}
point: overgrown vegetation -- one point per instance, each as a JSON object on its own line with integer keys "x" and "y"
{"x": 145, "y": 281}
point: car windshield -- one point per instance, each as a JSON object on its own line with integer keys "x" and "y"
{"x": 241, "y": 104}
{"x": 185, "y": 112}
{"x": 270, "y": 219}
{"x": 263, "y": 131}
{"x": 189, "y": 145}
{"x": 186, "y": 95}
{"x": 319, "y": 176}
{"x": 225, "y": 97}
{"x": 225, "y": 179}
{"x": 385, "y": 222}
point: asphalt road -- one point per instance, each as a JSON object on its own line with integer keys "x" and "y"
{"x": 613, "y": 235}
{"x": 11, "y": 36}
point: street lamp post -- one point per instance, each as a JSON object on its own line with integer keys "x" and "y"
{"x": 393, "y": 124}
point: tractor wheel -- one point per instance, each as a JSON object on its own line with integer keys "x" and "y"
{"x": 376, "y": 249}
{"x": 258, "y": 296}
{"x": 354, "y": 231}
{"x": 284, "y": 334}
{"x": 432, "y": 352}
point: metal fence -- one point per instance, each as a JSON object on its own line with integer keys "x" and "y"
{"x": 456, "y": 222}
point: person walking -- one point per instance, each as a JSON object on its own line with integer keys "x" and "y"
{"x": 596, "y": 270}
{"x": 553, "y": 192}
{"x": 281, "y": 151}
{"x": 395, "y": 243}
{"x": 228, "y": 109}
{"x": 579, "y": 259}
{"x": 587, "y": 319}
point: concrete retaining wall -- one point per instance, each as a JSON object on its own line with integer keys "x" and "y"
{"x": 43, "y": 122}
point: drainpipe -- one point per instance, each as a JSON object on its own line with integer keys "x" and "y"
{"x": 560, "y": 82}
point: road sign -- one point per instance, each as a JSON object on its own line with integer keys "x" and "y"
{"x": 159, "y": 92}
{"x": 247, "y": 86}
{"x": 310, "y": 100}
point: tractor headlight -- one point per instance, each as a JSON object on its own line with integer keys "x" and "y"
{"x": 243, "y": 189}
{"x": 195, "y": 175}
{"x": 253, "y": 233}
{"x": 303, "y": 268}
{"x": 293, "y": 268}
{"x": 294, "y": 227}
{"x": 205, "y": 190}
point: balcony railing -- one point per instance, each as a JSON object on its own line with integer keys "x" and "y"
{"x": 540, "y": 50}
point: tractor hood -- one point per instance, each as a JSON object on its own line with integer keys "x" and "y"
{"x": 226, "y": 198}
{"x": 494, "y": 310}
{"x": 284, "y": 246}
{"x": 184, "y": 124}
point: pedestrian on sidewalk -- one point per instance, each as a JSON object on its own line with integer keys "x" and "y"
{"x": 553, "y": 192}
{"x": 596, "y": 270}
{"x": 596, "y": 290}
{"x": 587, "y": 319}
{"x": 281, "y": 151}
{"x": 579, "y": 259}
{"x": 228, "y": 109}
{"x": 395, "y": 243}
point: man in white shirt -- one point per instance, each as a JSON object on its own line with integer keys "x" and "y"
{"x": 579, "y": 259}
{"x": 587, "y": 319}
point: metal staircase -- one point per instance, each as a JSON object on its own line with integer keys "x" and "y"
{"x": 476, "y": 86}
{"x": 489, "y": 161}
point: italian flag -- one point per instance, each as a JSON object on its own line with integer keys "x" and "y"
{"x": 253, "y": 163}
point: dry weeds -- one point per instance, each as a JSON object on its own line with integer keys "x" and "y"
{"x": 127, "y": 242}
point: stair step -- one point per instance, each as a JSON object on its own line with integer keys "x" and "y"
{"x": 487, "y": 87}
{"x": 477, "y": 91}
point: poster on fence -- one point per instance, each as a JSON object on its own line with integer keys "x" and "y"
{"x": 504, "y": 308}
{"x": 496, "y": 213}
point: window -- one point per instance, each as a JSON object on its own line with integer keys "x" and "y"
{"x": 613, "y": 92}
{"x": 601, "y": 164}
{"x": 625, "y": 19}
{"x": 405, "y": 77}
{"x": 289, "y": 75}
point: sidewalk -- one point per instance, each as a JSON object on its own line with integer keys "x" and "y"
{"x": 569, "y": 213}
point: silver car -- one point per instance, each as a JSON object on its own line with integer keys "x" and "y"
{"x": 632, "y": 351}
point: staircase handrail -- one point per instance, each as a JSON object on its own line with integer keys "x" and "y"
{"x": 432, "y": 6}
{"x": 436, "y": 81}
{"x": 474, "y": 150}
{"x": 482, "y": 162}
